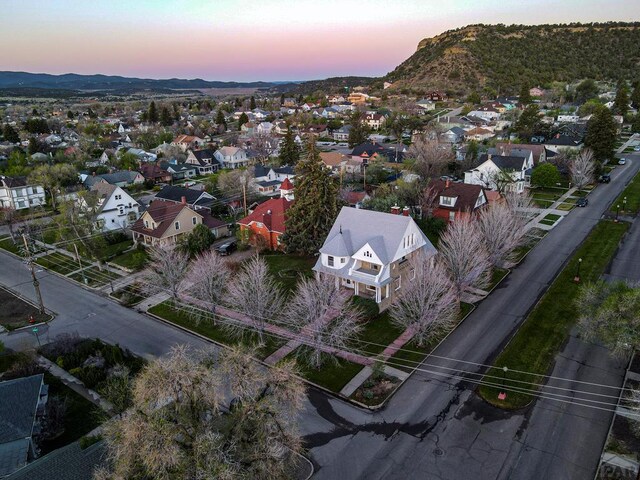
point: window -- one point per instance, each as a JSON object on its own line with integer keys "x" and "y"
{"x": 146, "y": 224}
{"x": 413, "y": 273}
{"x": 367, "y": 254}
{"x": 452, "y": 216}
{"x": 370, "y": 287}
{"x": 398, "y": 283}
{"x": 330, "y": 261}
{"x": 118, "y": 197}
{"x": 177, "y": 225}
{"x": 343, "y": 260}
{"x": 120, "y": 209}
{"x": 194, "y": 220}
{"x": 448, "y": 201}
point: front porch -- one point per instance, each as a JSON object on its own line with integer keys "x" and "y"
{"x": 380, "y": 295}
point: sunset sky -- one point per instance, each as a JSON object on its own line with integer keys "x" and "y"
{"x": 253, "y": 40}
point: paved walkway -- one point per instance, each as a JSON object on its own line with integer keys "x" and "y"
{"x": 552, "y": 209}
{"x": 74, "y": 384}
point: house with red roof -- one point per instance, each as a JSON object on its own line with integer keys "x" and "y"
{"x": 265, "y": 225}
{"x": 454, "y": 201}
{"x": 163, "y": 223}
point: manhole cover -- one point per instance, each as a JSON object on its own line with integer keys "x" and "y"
{"x": 438, "y": 452}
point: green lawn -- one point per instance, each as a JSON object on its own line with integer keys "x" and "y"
{"x": 378, "y": 330}
{"x": 552, "y": 216}
{"x": 61, "y": 263}
{"x": 133, "y": 259}
{"x": 496, "y": 277}
{"x": 7, "y": 244}
{"x": 333, "y": 375}
{"x": 286, "y": 269}
{"x": 15, "y": 312}
{"x": 541, "y": 336}
{"x": 80, "y": 418}
{"x": 632, "y": 192}
{"x": 547, "y": 222}
{"x": 94, "y": 277}
{"x": 216, "y": 332}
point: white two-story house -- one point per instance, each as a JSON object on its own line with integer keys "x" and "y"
{"x": 16, "y": 193}
{"x": 232, "y": 157}
{"x": 116, "y": 209}
{"x": 503, "y": 173}
{"x": 370, "y": 252}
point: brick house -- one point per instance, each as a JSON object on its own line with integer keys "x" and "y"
{"x": 456, "y": 201}
{"x": 266, "y": 223}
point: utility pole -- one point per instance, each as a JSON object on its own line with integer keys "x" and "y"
{"x": 36, "y": 283}
{"x": 84, "y": 280}
{"x": 244, "y": 198}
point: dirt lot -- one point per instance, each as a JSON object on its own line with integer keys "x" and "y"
{"x": 15, "y": 312}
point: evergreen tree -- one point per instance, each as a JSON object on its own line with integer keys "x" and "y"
{"x": 252, "y": 103}
{"x": 152, "y": 114}
{"x": 70, "y": 115}
{"x": 601, "y": 134}
{"x": 176, "y": 112}
{"x": 525, "y": 96}
{"x": 316, "y": 205}
{"x": 528, "y": 122}
{"x": 621, "y": 102}
{"x": 290, "y": 151}
{"x": 635, "y": 96}
{"x": 10, "y": 134}
{"x": 359, "y": 131}
{"x": 243, "y": 119}
{"x": 586, "y": 90}
{"x": 282, "y": 99}
{"x": 220, "y": 120}
{"x": 238, "y": 103}
{"x": 635, "y": 126}
{"x": 33, "y": 146}
{"x": 165, "y": 117}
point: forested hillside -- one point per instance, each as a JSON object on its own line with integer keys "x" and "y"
{"x": 503, "y": 58}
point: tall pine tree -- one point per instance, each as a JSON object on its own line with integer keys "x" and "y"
{"x": 165, "y": 117}
{"x": 220, "y": 120}
{"x": 290, "y": 151}
{"x": 635, "y": 95}
{"x": 252, "y": 103}
{"x": 621, "y": 102}
{"x": 359, "y": 132}
{"x": 601, "y": 134}
{"x": 10, "y": 134}
{"x": 152, "y": 114}
{"x": 316, "y": 205}
{"x": 242, "y": 120}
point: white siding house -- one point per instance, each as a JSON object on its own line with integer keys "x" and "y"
{"x": 16, "y": 193}
{"x": 232, "y": 157}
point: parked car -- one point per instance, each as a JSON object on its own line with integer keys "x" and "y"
{"x": 622, "y": 161}
{"x": 226, "y": 248}
{"x": 582, "y": 202}
{"x": 605, "y": 178}
{"x": 636, "y": 148}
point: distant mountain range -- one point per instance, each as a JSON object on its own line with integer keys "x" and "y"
{"x": 73, "y": 81}
{"x": 503, "y": 58}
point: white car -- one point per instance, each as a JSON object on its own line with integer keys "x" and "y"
{"x": 622, "y": 161}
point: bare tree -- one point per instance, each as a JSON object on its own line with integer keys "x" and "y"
{"x": 254, "y": 293}
{"x": 232, "y": 183}
{"x": 429, "y": 201}
{"x": 9, "y": 218}
{"x": 209, "y": 277}
{"x": 430, "y": 159}
{"x": 322, "y": 316}
{"x": 181, "y": 427}
{"x": 464, "y": 256}
{"x": 502, "y": 227}
{"x": 168, "y": 268}
{"x": 427, "y": 303}
{"x": 582, "y": 168}
{"x": 264, "y": 145}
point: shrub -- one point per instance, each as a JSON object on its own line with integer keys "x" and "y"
{"x": 88, "y": 440}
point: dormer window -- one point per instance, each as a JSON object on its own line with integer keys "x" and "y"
{"x": 330, "y": 261}
{"x": 447, "y": 201}
{"x": 194, "y": 220}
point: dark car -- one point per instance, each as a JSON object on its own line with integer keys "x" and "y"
{"x": 582, "y": 202}
{"x": 226, "y": 248}
{"x": 606, "y": 178}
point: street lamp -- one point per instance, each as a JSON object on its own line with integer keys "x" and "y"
{"x": 577, "y": 277}
{"x": 624, "y": 204}
{"x": 617, "y": 211}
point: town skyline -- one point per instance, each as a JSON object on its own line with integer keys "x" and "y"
{"x": 192, "y": 39}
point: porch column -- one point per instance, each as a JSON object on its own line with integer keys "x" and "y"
{"x": 378, "y": 299}
{"x": 355, "y": 288}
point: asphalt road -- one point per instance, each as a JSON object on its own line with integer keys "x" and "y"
{"x": 433, "y": 427}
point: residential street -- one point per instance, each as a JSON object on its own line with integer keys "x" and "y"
{"x": 433, "y": 427}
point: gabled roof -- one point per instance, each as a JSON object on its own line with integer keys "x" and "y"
{"x": 174, "y": 193}
{"x": 506, "y": 148}
{"x": 286, "y": 184}
{"x": 271, "y": 213}
{"x": 13, "y": 182}
{"x": 163, "y": 214}
{"x": 127, "y": 176}
{"x": 504, "y": 162}
{"x": 384, "y": 232}
{"x": 466, "y": 194}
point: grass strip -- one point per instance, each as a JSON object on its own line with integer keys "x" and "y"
{"x": 541, "y": 336}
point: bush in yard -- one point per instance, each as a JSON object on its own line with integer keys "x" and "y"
{"x": 545, "y": 175}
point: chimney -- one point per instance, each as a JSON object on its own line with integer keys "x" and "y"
{"x": 395, "y": 210}
{"x": 405, "y": 211}
{"x": 183, "y": 200}
{"x": 447, "y": 183}
{"x": 93, "y": 173}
